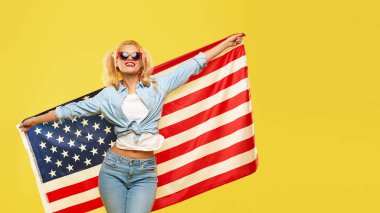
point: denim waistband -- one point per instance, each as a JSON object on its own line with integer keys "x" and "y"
{"x": 116, "y": 156}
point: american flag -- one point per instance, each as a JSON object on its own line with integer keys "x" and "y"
{"x": 209, "y": 139}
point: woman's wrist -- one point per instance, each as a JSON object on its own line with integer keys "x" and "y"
{"x": 34, "y": 120}
{"x": 225, "y": 44}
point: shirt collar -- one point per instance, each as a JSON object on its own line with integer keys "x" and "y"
{"x": 122, "y": 87}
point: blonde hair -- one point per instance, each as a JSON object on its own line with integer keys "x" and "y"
{"x": 111, "y": 75}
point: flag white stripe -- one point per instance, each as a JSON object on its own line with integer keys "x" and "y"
{"x": 207, "y": 80}
{"x": 94, "y": 171}
{"x": 205, "y": 104}
{"x": 210, "y": 124}
{"x": 175, "y": 163}
{"x": 72, "y": 179}
{"x": 206, "y": 173}
{"x": 173, "y": 187}
{"x": 75, "y": 199}
{"x": 206, "y": 149}
{"x": 169, "y": 142}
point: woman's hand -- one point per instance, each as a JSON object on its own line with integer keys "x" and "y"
{"x": 27, "y": 124}
{"x": 234, "y": 39}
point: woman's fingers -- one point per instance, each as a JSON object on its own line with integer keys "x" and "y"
{"x": 24, "y": 129}
{"x": 240, "y": 35}
{"x": 21, "y": 127}
{"x": 239, "y": 38}
{"x": 24, "y": 126}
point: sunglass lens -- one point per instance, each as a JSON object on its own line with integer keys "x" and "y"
{"x": 124, "y": 55}
{"x": 136, "y": 56}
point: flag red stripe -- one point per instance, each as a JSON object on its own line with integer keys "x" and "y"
{"x": 202, "y": 117}
{"x": 220, "y": 62}
{"x": 72, "y": 189}
{"x": 184, "y": 57}
{"x": 208, "y": 160}
{"x": 205, "y": 138}
{"x": 206, "y": 185}
{"x": 171, "y": 153}
{"x": 181, "y": 195}
{"x": 205, "y": 92}
{"x": 83, "y": 207}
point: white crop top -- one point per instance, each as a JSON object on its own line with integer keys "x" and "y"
{"x": 135, "y": 110}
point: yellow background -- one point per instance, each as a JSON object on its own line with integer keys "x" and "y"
{"x": 313, "y": 68}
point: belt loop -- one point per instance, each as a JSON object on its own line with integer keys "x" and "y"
{"x": 131, "y": 162}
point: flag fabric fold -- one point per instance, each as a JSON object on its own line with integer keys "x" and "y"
{"x": 209, "y": 139}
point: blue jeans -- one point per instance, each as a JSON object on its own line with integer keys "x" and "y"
{"x": 127, "y": 185}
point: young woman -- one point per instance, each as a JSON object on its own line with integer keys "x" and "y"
{"x": 132, "y": 100}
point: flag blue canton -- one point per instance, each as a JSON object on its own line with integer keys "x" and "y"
{"x": 68, "y": 146}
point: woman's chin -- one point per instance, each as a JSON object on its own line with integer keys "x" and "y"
{"x": 130, "y": 71}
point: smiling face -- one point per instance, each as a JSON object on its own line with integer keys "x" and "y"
{"x": 129, "y": 66}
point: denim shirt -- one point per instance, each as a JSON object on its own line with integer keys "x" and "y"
{"x": 109, "y": 100}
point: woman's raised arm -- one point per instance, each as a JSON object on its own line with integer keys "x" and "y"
{"x": 181, "y": 74}
{"x": 81, "y": 108}
{"x": 30, "y": 122}
{"x": 229, "y": 42}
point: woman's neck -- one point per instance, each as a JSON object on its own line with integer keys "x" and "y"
{"x": 130, "y": 83}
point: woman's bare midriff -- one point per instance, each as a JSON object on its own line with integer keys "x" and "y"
{"x": 137, "y": 154}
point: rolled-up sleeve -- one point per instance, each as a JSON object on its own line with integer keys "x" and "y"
{"x": 182, "y": 73}
{"x": 88, "y": 107}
